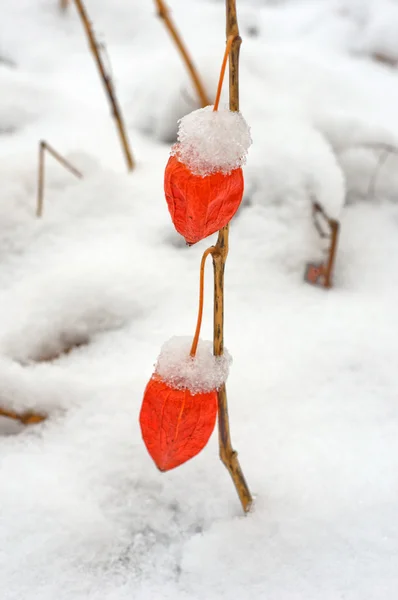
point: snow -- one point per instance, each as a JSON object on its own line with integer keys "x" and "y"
{"x": 212, "y": 141}
{"x": 89, "y": 293}
{"x": 199, "y": 374}
{"x": 289, "y": 169}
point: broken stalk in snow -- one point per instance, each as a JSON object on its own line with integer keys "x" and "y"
{"x": 322, "y": 274}
{"x": 108, "y": 84}
{"x": 43, "y": 146}
{"x": 26, "y": 418}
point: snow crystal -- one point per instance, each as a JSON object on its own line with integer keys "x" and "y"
{"x": 212, "y": 141}
{"x": 202, "y": 373}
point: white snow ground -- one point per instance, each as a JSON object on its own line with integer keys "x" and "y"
{"x": 313, "y": 388}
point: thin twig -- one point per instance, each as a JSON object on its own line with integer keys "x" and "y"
{"x": 227, "y": 454}
{"x": 384, "y": 149}
{"x": 381, "y": 162}
{"x": 329, "y": 267}
{"x": 108, "y": 84}
{"x": 163, "y": 13}
{"x": 326, "y": 270}
{"x": 384, "y": 59}
{"x": 43, "y": 146}
{"x": 26, "y": 418}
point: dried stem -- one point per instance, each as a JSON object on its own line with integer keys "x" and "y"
{"x": 108, "y": 84}
{"x": 329, "y": 267}
{"x": 227, "y": 454}
{"x": 26, "y": 418}
{"x": 163, "y": 13}
{"x": 43, "y": 146}
{"x": 64, "y": 4}
{"x": 325, "y": 274}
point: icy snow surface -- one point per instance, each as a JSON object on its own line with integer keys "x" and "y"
{"x": 202, "y": 373}
{"x": 212, "y": 141}
{"x": 89, "y": 293}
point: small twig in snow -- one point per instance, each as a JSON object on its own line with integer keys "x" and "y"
{"x": 324, "y": 271}
{"x": 372, "y": 184}
{"x": 26, "y": 418}
{"x": 384, "y": 59}
{"x": 385, "y": 151}
{"x": 43, "y": 146}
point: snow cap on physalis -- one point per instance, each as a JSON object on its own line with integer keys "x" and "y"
{"x": 203, "y": 179}
{"x": 179, "y": 408}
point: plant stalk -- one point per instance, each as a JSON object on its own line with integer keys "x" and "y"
{"x": 43, "y": 146}
{"x": 163, "y": 13}
{"x": 228, "y": 455}
{"x": 26, "y": 418}
{"x": 108, "y": 84}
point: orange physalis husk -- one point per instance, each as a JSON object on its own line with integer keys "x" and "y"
{"x": 175, "y": 424}
{"x": 203, "y": 180}
{"x": 200, "y": 206}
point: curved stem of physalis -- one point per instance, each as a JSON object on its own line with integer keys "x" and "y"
{"x": 222, "y": 73}
{"x": 195, "y": 342}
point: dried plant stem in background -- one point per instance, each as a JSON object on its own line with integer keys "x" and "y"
{"x": 26, "y": 418}
{"x": 334, "y": 237}
{"x": 326, "y": 271}
{"x": 227, "y": 454}
{"x": 64, "y": 4}
{"x": 107, "y": 81}
{"x": 163, "y": 13}
{"x": 385, "y": 59}
{"x": 43, "y": 146}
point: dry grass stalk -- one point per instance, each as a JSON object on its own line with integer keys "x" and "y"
{"x": 384, "y": 59}
{"x": 26, "y": 418}
{"x": 43, "y": 147}
{"x": 64, "y": 4}
{"x": 163, "y": 13}
{"x": 325, "y": 271}
{"x": 228, "y": 455}
{"x": 108, "y": 84}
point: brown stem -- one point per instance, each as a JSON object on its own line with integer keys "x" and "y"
{"x": 64, "y": 4}
{"x": 329, "y": 267}
{"x": 43, "y": 146}
{"x": 163, "y": 13}
{"x": 108, "y": 84}
{"x": 326, "y": 273}
{"x": 227, "y": 454}
{"x": 26, "y": 418}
